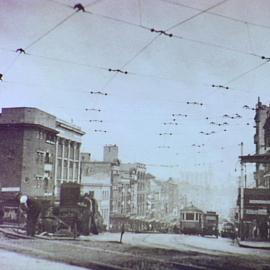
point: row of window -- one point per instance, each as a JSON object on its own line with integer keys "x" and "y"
{"x": 191, "y": 216}
{"x": 67, "y": 171}
{"x": 105, "y": 195}
{"x": 42, "y": 157}
{"x": 69, "y": 150}
{"x": 105, "y": 213}
{"x": 47, "y": 136}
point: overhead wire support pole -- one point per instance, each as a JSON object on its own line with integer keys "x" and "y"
{"x": 242, "y": 195}
{"x": 242, "y": 165}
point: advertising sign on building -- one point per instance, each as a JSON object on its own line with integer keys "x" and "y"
{"x": 256, "y": 203}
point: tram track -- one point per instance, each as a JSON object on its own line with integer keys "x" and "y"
{"x": 127, "y": 260}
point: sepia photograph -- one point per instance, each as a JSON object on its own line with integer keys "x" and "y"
{"x": 135, "y": 134}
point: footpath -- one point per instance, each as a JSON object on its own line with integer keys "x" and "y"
{"x": 254, "y": 244}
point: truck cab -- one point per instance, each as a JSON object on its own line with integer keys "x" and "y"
{"x": 210, "y": 224}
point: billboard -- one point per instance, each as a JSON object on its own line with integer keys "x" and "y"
{"x": 256, "y": 204}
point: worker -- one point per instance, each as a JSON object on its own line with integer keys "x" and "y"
{"x": 122, "y": 232}
{"x": 94, "y": 210}
{"x": 85, "y": 222}
{"x": 32, "y": 208}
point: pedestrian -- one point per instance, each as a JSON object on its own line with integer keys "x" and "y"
{"x": 85, "y": 221}
{"x": 233, "y": 236}
{"x": 2, "y": 213}
{"x": 32, "y": 208}
{"x": 94, "y": 210}
{"x": 122, "y": 232}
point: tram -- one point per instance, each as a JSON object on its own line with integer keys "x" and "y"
{"x": 195, "y": 221}
{"x": 191, "y": 220}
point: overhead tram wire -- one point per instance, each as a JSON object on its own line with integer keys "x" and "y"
{"x": 50, "y": 30}
{"x": 210, "y": 44}
{"x": 247, "y": 72}
{"x": 249, "y": 38}
{"x": 152, "y": 40}
{"x": 140, "y": 11}
{"x": 196, "y": 15}
{"x": 217, "y": 14}
{"x": 40, "y": 38}
{"x": 176, "y": 36}
{"x": 66, "y": 61}
{"x": 102, "y": 15}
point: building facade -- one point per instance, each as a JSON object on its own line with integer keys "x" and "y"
{"x": 260, "y": 138}
{"x": 29, "y": 150}
{"x": 98, "y": 176}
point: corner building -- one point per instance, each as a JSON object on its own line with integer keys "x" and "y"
{"x": 29, "y": 151}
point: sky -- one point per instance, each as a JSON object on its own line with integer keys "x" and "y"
{"x": 213, "y": 43}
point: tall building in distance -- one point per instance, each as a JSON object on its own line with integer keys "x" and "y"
{"x": 38, "y": 151}
{"x": 110, "y": 153}
{"x": 260, "y": 140}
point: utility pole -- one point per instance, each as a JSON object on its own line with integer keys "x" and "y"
{"x": 241, "y": 189}
{"x": 242, "y": 166}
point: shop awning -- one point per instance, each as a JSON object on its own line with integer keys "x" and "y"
{"x": 262, "y": 158}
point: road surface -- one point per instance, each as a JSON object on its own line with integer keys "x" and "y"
{"x": 15, "y": 261}
{"x": 144, "y": 251}
{"x": 181, "y": 242}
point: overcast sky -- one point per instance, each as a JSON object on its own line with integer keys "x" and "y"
{"x": 68, "y": 55}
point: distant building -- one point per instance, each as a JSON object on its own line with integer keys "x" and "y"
{"x": 154, "y": 197}
{"x": 134, "y": 186}
{"x": 260, "y": 140}
{"x": 110, "y": 153}
{"x": 170, "y": 198}
{"x": 37, "y": 151}
{"x": 100, "y": 184}
{"x": 99, "y": 176}
{"x": 122, "y": 189}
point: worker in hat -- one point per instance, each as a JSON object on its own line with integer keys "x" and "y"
{"x": 32, "y": 208}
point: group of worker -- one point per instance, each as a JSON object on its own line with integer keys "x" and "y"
{"x": 86, "y": 223}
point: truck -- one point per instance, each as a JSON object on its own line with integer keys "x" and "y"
{"x": 210, "y": 224}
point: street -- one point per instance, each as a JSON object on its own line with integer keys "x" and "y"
{"x": 144, "y": 251}
{"x": 181, "y": 242}
{"x": 134, "y": 134}
{"x": 14, "y": 261}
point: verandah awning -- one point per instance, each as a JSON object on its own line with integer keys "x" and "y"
{"x": 262, "y": 158}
